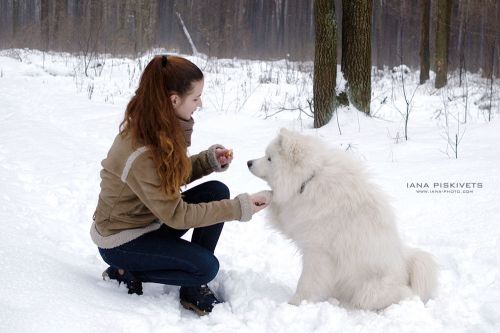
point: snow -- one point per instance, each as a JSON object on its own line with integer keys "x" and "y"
{"x": 56, "y": 125}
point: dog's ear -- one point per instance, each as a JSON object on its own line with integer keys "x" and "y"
{"x": 290, "y": 145}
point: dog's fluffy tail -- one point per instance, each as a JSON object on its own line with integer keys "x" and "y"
{"x": 422, "y": 269}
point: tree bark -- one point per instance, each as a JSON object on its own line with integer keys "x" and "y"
{"x": 15, "y": 19}
{"x": 379, "y": 45}
{"x": 424, "y": 41}
{"x": 356, "y": 51}
{"x": 489, "y": 35}
{"x": 325, "y": 61}
{"x": 442, "y": 42}
{"x": 497, "y": 41}
{"x": 60, "y": 31}
{"x": 44, "y": 24}
{"x": 464, "y": 19}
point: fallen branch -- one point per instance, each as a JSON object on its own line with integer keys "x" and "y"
{"x": 188, "y": 36}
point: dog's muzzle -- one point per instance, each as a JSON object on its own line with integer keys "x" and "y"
{"x": 250, "y": 163}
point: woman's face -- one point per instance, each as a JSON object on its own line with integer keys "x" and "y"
{"x": 186, "y": 105}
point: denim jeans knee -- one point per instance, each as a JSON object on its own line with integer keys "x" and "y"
{"x": 210, "y": 269}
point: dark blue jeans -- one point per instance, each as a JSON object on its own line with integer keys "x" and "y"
{"x": 161, "y": 256}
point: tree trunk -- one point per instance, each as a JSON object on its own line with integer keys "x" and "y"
{"x": 356, "y": 51}
{"x": 60, "y": 29}
{"x": 44, "y": 23}
{"x": 15, "y": 20}
{"x": 464, "y": 19}
{"x": 489, "y": 35}
{"x": 442, "y": 41}
{"x": 379, "y": 45}
{"x": 424, "y": 41}
{"x": 325, "y": 61}
{"x": 399, "y": 32}
{"x": 497, "y": 42}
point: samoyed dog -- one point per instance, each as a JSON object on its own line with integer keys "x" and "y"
{"x": 342, "y": 224}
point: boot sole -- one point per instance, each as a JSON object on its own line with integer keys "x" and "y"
{"x": 192, "y": 307}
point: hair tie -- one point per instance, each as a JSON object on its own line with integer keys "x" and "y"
{"x": 164, "y": 61}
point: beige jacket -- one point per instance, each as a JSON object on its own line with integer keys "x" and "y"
{"x": 132, "y": 204}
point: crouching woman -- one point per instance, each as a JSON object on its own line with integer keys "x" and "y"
{"x": 141, "y": 212}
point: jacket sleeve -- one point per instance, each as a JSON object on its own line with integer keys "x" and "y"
{"x": 175, "y": 212}
{"x": 205, "y": 163}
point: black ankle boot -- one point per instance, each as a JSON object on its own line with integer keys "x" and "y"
{"x": 134, "y": 285}
{"x": 198, "y": 299}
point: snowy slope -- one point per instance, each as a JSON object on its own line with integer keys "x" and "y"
{"x": 56, "y": 125}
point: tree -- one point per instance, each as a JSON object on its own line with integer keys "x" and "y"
{"x": 464, "y": 19}
{"x": 378, "y": 9}
{"x": 60, "y": 33}
{"x": 425, "y": 7}
{"x": 15, "y": 18}
{"x": 44, "y": 24}
{"x": 356, "y": 51}
{"x": 488, "y": 35}
{"x": 497, "y": 41}
{"x": 325, "y": 61}
{"x": 442, "y": 41}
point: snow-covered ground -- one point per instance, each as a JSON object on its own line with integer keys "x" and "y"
{"x": 56, "y": 125}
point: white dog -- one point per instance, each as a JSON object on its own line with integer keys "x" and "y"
{"x": 343, "y": 225}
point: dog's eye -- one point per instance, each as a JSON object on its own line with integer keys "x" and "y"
{"x": 269, "y": 159}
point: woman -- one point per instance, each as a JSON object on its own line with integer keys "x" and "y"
{"x": 141, "y": 213}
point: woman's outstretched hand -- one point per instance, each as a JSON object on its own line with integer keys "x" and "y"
{"x": 260, "y": 200}
{"x": 224, "y": 156}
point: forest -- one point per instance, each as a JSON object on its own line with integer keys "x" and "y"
{"x": 249, "y": 29}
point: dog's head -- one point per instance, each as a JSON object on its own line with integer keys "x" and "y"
{"x": 290, "y": 159}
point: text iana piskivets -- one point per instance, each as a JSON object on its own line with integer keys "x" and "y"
{"x": 445, "y": 185}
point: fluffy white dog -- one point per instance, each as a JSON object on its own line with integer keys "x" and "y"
{"x": 343, "y": 225}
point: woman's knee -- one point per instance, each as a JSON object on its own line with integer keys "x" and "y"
{"x": 219, "y": 190}
{"x": 210, "y": 269}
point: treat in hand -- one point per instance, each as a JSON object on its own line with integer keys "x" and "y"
{"x": 224, "y": 156}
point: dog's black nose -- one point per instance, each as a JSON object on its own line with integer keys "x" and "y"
{"x": 249, "y": 163}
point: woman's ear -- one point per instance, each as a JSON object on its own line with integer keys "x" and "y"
{"x": 174, "y": 98}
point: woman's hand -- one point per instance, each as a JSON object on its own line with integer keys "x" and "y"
{"x": 224, "y": 156}
{"x": 260, "y": 200}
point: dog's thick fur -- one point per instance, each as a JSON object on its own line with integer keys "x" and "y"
{"x": 343, "y": 225}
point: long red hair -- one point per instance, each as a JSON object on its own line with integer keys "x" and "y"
{"x": 150, "y": 119}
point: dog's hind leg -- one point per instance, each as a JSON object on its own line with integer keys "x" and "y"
{"x": 378, "y": 294}
{"x": 315, "y": 280}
